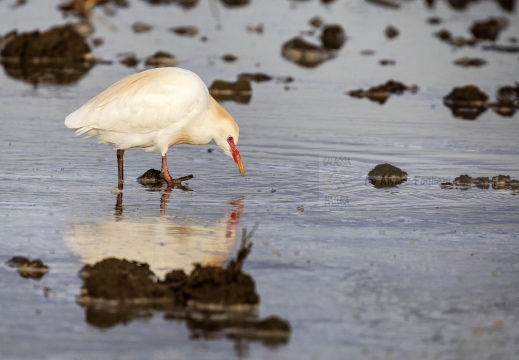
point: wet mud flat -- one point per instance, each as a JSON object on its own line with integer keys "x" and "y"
{"x": 359, "y": 260}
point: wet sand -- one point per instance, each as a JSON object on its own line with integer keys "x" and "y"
{"x": 412, "y": 271}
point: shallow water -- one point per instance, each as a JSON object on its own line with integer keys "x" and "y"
{"x": 409, "y": 272}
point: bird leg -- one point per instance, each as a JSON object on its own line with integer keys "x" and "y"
{"x": 165, "y": 172}
{"x": 120, "y": 172}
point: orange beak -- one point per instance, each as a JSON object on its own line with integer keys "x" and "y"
{"x": 236, "y": 156}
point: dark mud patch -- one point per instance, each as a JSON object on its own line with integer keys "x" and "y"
{"x": 185, "y": 4}
{"x": 498, "y": 182}
{"x": 239, "y": 91}
{"x": 189, "y": 31}
{"x": 488, "y": 29}
{"x": 154, "y": 180}
{"x": 333, "y": 37}
{"x": 84, "y": 8}
{"x": 128, "y": 59}
{"x": 213, "y": 300}
{"x": 112, "y": 282}
{"x": 59, "y": 55}
{"x": 482, "y": 30}
{"x": 160, "y": 59}
{"x": 28, "y": 269}
{"x": 386, "y": 175}
{"x": 470, "y": 62}
{"x": 381, "y": 93}
{"x": 271, "y": 331}
{"x": 468, "y": 102}
{"x": 304, "y": 53}
{"x": 391, "y": 32}
{"x": 141, "y": 27}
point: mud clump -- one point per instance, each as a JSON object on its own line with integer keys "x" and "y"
{"x": 141, "y": 27}
{"x": 59, "y": 55}
{"x": 189, "y": 31}
{"x": 488, "y": 29}
{"x": 128, "y": 59}
{"x": 467, "y": 102}
{"x": 456, "y": 41}
{"x": 333, "y": 37}
{"x": 381, "y": 93}
{"x": 154, "y": 180}
{"x": 239, "y": 91}
{"x": 28, "y": 269}
{"x": 507, "y": 100}
{"x": 256, "y": 77}
{"x": 386, "y": 175}
{"x": 470, "y": 62}
{"x": 160, "y": 59}
{"x": 391, "y": 32}
{"x": 499, "y": 182}
{"x": 114, "y": 281}
{"x": 212, "y": 300}
{"x": 305, "y": 54}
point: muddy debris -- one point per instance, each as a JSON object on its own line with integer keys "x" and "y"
{"x": 84, "y": 8}
{"x": 239, "y": 91}
{"x": 387, "y": 62}
{"x": 154, "y": 180}
{"x": 141, "y": 27}
{"x": 189, "y": 31}
{"x": 258, "y": 29}
{"x": 229, "y": 58}
{"x": 470, "y": 62}
{"x": 28, "y": 269}
{"x": 333, "y": 37}
{"x": 499, "y": 182}
{"x": 316, "y": 21}
{"x": 161, "y": 59}
{"x": 213, "y": 300}
{"x": 393, "y": 4}
{"x": 507, "y": 100}
{"x": 391, "y": 32}
{"x": 456, "y": 41}
{"x": 271, "y": 331}
{"x": 512, "y": 49}
{"x": 59, "y": 55}
{"x": 256, "y": 77}
{"x": 112, "y": 282}
{"x": 434, "y": 20}
{"x": 381, "y": 93}
{"x": 185, "y": 4}
{"x": 386, "y": 175}
{"x": 306, "y": 54}
{"x": 128, "y": 59}
{"x": 467, "y": 102}
{"x": 488, "y": 29}
{"x": 235, "y": 3}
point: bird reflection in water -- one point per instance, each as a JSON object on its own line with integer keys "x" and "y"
{"x": 164, "y": 242}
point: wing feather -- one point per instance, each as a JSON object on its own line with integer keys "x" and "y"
{"x": 142, "y": 103}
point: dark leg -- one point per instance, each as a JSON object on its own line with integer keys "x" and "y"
{"x": 165, "y": 172}
{"x": 120, "y": 172}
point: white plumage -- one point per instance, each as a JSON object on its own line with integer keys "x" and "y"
{"x": 154, "y": 110}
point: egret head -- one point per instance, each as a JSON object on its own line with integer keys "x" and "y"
{"x": 226, "y": 138}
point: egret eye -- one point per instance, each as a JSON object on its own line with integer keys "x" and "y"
{"x": 230, "y": 138}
